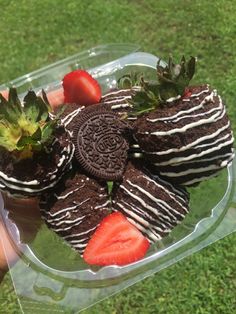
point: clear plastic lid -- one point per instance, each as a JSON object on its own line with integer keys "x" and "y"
{"x": 48, "y": 275}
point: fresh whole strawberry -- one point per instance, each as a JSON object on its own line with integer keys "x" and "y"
{"x": 115, "y": 242}
{"x": 81, "y": 88}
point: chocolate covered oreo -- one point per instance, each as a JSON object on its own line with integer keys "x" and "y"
{"x": 101, "y": 143}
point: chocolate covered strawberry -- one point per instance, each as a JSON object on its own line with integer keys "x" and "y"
{"x": 35, "y": 150}
{"x": 75, "y": 209}
{"x": 183, "y": 131}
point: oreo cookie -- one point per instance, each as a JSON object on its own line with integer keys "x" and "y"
{"x": 101, "y": 142}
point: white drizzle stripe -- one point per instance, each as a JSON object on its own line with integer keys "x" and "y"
{"x": 51, "y": 182}
{"x": 206, "y": 99}
{"x": 28, "y": 190}
{"x": 117, "y": 99}
{"x": 213, "y": 118}
{"x": 197, "y": 180}
{"x": 80, "y": 246}
{"x": 162, "y": 220}
{"x": 180, "y": 193}
{"x": 176, "y": 193}
{"x": 206, "y": 113}
{"x": 62, "y": 197}
{"x": 71, "y": 116}
{"x": 137, "y": 218}
{"x": 192, "y": 144}
{"x": 14, "y": 180}
{"x": 206, "y": 160}
{"x": 68, "y": 222}
{"x": 53, "y": 220}
{"x": 197, "y": 170}
{"x": 213, "y": 143}
{"x": 163, "y": 205}
{"x": 173, "y": 98}
{"x": 144, "y": 230}
{"x": 79, "y": 241}
{"x": 193, "y": 156}
{"x": 158, "y": 201}
{"x": 120, "y": 91}
{"x": 141, "y": 221}
{"x": 103, "y": 205}
{"x": 66, "y": 209}
{"x": 66, "y": 228}
{"x": 152, "y": 237}
{"x": 114, "y": 107}
{"x": 78, "y": 234}
{"x": 168, "y": 193}
{"x": 153, "y": 214}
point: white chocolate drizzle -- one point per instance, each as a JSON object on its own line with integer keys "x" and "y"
{"x": 200, "y": 111}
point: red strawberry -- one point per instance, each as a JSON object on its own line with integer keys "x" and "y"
{"x": 81, "y": 88}
{"x": 115, "y": 242}
{"x": 187, "y": 93}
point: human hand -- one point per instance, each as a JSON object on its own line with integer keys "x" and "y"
{"x": 23, "y": 212}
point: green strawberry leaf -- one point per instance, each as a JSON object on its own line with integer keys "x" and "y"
{"x": 47, "y": 131}
{"x": 8, "y": 109}
{"x": 37, "y": 135}
{"x": 9, "y": 134}
{"x": 35, "y": 108}
{"x": 26, "y": 127}
{"x": 24, "y": 141}
{"x": 172, "y": 80}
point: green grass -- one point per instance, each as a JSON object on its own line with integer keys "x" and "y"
{"x": 36, "y": 33}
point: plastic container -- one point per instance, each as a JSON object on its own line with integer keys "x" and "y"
{"x": 49, "y": 275}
